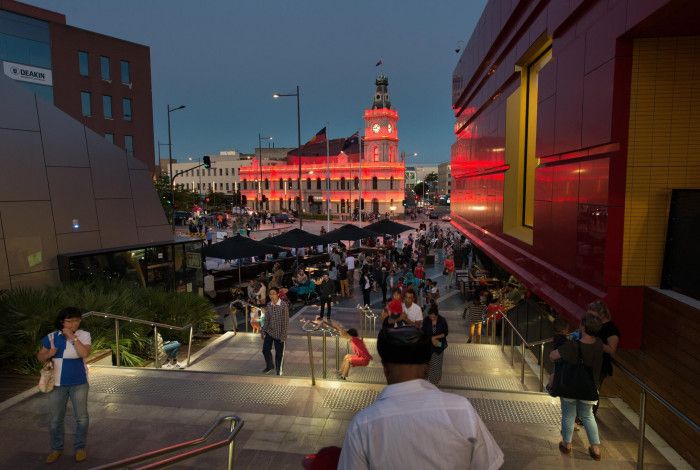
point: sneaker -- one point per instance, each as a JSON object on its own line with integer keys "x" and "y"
{"x": 80, "y": 455}
{"x": 53, "y": 456}
{"x": 166, "y": 366}
{"x": 267, "y": 369}
{"x": 180, "y": 365}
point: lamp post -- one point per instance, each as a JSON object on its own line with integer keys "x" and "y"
{"x": 298, "y": 97}
{"x": 170, "y": 163}
{"x": 260, "y": 139}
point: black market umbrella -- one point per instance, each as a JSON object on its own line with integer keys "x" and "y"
{"x": 388, "y": 227}
{"x": 239, "y": 247}
{"x": 349, "y": 232}
{"x": 296, "y": 238}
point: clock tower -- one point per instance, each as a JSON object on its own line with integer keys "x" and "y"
{"x": 381, "y": 139}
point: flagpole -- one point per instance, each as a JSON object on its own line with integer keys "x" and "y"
{"x": 328, "y": 181}
{"x": 359, "y": 201}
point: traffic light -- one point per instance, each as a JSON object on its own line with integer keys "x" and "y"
{"x": 207, "y": 161}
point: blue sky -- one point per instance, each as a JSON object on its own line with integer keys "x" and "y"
{"x": 223, "y": 59}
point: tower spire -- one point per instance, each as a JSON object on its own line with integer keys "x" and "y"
{"x": 381, "y": 95}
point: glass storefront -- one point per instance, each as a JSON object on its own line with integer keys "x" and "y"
{"x": 173, "y": 266}
{"x": 26, "y": 41}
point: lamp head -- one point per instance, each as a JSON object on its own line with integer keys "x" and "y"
{"x": 276, "y": 95}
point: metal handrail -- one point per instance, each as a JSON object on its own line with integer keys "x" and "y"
{"x": 236, "y": 424}
{"x": 248, "y": 307}
{"x": 369, "y": 318}
{"x": 311, "y": 326}
{"x": 645, "y": 389}
{"x": 141, "y": 321}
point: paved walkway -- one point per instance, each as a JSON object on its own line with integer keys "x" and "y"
{"x": 136, "y": 410}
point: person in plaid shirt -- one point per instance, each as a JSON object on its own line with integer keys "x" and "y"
{"x": 275, "y": 331}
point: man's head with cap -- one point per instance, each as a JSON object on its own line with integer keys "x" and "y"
{"x": 405, "y": 352}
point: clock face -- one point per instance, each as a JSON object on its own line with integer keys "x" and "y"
{"x": 375, "y": 128}
{"x": 389, "y": 128}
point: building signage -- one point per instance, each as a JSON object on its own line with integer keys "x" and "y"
{"x": 27, "y": 73}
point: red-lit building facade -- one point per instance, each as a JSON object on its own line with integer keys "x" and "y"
{"x": 574, "y": 122}
{"x": 102, "y": 81}
{"x": 377, "y": 178}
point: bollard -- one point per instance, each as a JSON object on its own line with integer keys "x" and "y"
{"x": 116, "y": 344}
{"x": 325, "y": 359}
{"x": 311, "y": 359}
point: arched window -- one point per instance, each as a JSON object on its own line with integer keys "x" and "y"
{"x": 267, "y": 183}
{"x": 318, "y": 183}
{"x": 308, "y": 183}
{"x": 375, "y": 182}
{"x": 281, "y": 183}
{"x": 391, "y": 183}
{"x": 281, "y": 203}
{"x": 289, "y": 183}
{"x": 245, "y": 183}
{"x": 375, "y": 153}
{"x": 357, "y": 183}
{"x": 342, "y": 182}
{"x": 375, "y": 205}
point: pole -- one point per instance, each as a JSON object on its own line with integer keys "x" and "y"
{"x": 541, "y": 367}
{"x": 116, "y": 344}
{"x": 311, "y": 359}
{"x": 328, "y": 181}
{"x": 642, "y": 428}
{"x": 301, "y": 201}
{"x": 170, "y": 164}
{"x": 325, "y": 355}
{"x": 337, "y": 352}
{"x": 360, "y": 185}
{"x": 259, "y": 198}
{"x": 155, "y": 346}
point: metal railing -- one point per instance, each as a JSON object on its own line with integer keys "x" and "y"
{"x": 184, "y": 450}
{"x": 369, "y": 319}
{"x": 154, "y": 325}
{"x": 310, "y": 326}
{"x": 644, "y": 388}
{"x": 247, "y": 308}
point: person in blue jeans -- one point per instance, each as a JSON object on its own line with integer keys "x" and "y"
{"x": 67, "y": 347}
{"x": 591, "y": 350}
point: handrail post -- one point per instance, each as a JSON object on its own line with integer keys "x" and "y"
{"x": 311, "y": 359}
{"x": 512, "y": 345}
{"x": 642, "y": 428}
{"x": 337, "y": 352}
{"x": 324, "y": 355}
{"x": 155, "y": 346}
{"x": 541, "y": 367}
{"x": 522, "y": 363}
{"x": 493, "y": 330}
{"x": 189, "y": 345}
{"x": 116, "y": 341}
{"x": 231, "y": 446}
{"x": 247, "y": 316}
{"x": 503, "y": 333}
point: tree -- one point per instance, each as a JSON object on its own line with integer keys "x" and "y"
{"x": 420, "y": 189}
{"x": 184, "y": 199}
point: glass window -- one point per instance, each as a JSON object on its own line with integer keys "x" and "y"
{"x": 129, "y": 145}
{"x": 308, "y": 183}
{"x": 126, "y": 108}
{"x": 245, "y": 183}
{"x": 221, "y": 172}
{"x": 289, "y": 183}
{"x": 104, "y": 68}
{"x": 226, "y": 172}
{"x": 375, "y": 182}
{"x": 109, "y": 138}
{"x": 267, "y": 183}
{"x": 318, "y": 183}
{"x": 197, "y": 172}
{"x": 83, "y": 63}
{"x": 107, "y": 106}
{"x": 85, "y": 103}
{"x": 227, "y": 186}
{"x": 125, "y": 72}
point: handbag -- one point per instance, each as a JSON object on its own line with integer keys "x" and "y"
{"x": 575, "y": 380}
{"x": 47, "y": 379}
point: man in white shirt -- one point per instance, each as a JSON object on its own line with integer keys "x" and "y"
{"x": 413, "y": 425}
{"x": 350, "y": 262}
{"x": 412, "y": 310}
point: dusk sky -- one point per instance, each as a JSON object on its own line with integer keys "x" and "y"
{"x": 223, "y": 59}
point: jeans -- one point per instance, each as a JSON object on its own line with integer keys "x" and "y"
{"x": 279, "y": 353}
{"x": 58, "y": 400}
{"x": 171, "y": 348}
{"x": 326, "y": 302}
{"x": 365, "y": 296}
{"x": 571, "y": 408}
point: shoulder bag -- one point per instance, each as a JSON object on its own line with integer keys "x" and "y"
{"x": 47, "y": 379}
{"x": 575, "y": 380}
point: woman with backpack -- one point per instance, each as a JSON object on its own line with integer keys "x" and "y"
{"x": 577, "y": 382}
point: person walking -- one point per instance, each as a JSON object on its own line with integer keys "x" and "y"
{"x": 325, "y": 291}
{"x": 609, "y": 334}
{"x": 366, "y": 285}
{"x": 343, "y": 274}
{"x": 67, "y": 347}
{"x": 275, "y": 331}
{"x": 350, "y": 263}
{"x": 579, "y": 401}
{"x": 450, "y": 271}
{"x": 475, "y": 314}
{"x": 435, "y": 327}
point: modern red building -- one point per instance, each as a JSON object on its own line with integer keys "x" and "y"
{"x": 102, "y": 81}
{"x": 376, "y": 178}
{"x": 577, "y": 130}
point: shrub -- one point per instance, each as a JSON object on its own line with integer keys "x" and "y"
{"x": 28, "y": 315}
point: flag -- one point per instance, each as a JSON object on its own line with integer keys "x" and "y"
{"x": 319, "y": 137}
{"x": 351, "y": 141}
{"x": 379, "y": 63}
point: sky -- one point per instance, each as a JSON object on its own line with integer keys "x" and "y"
{"x": 223, "y": 59}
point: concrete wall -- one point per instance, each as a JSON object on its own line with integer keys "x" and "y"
{"x": 54, "y": 170}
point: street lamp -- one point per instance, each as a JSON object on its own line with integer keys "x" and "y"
{"x": 298, "y": 97}
{"x": 199, "y": 190}
{"x": 260, "y": 139}
{"x": 170, "y": 163}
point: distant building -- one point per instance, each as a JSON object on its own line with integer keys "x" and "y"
{"x": 444, "y": 172}
{"x": 410, "y": 178}
{"x": 380, "y": 181}
{"x": 103, "y": 82}
{"x": 424, "y": 170}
